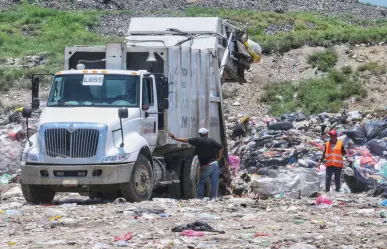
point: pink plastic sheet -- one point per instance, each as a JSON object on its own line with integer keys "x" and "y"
{"x": 234, "y": 161}
{"x": 192, "y": 233}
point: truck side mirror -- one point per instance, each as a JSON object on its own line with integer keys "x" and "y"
{"x": 164, "y": 88}
{"x": 35, "y": 92}
{"x": 164, "y": 104}
{"x": 123, "y": 112}
{"x": 27, "y": 112}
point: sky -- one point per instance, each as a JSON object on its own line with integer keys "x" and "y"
{"x": 376, "y": 2}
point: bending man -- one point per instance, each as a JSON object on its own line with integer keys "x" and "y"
{"x": 205, "y": 149}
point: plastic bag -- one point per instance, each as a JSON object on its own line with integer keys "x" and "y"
{"x": 358, "y": 183}
{"x": 234, "y": 161}
{"x": 374, "y": 129}
{"x": 354, "y": 115}
{"x": 383, "y": 168}
{"x": 254, "y": 49}
{"x": 281, "y": 126}
{"x": 191, "y": 233}
{"x": 4, "y": 179}
{"x": 323, "y": 200}
{"x": 357, "y": 134}
{"x": 383, "y": 133}
{"x": 377, "y": 146}
{"x": 293, "y": 116}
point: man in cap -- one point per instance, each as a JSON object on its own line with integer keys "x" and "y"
{"x": 333, "y": 156}
{"x": 205, "y": 149}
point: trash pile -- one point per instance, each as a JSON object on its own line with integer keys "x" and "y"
{"x": 282, "y": 155}
{"x": 12, "y": 140}
{"x": 327, "y": 222}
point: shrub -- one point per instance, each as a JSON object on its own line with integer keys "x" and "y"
{"x": 347, "y": 70}
{"x": 323, "y": 60}
{"x": 374, "y": 67}
{"x": 314, "y": 95}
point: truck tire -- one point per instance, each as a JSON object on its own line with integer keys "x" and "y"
{"x": 140, "y": 186}
{"x": 38, "y": 194}
{"x": 191, "y": 179}
{"x": 176, "y": 189}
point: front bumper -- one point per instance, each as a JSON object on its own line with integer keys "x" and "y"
{"x": 63, "y": 174}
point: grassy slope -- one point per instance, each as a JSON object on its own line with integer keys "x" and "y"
{"x": 51, "y": 30}
{"x": 29, "y": 30}
{"x": 309, "y": 28}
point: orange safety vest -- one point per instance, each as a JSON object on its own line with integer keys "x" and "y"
{"x": 334, "y": 158}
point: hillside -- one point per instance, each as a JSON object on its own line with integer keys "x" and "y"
{"x": 34, "y": 33}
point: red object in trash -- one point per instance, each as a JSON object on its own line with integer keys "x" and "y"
{"x": 323, "y": 200}
{"x": 315, "y": 144}
{"x": 12, "y": 135}
{"x": 367, "y": 160}
{"x": 260, "y": 235}
{"x": 192, "y": 233}
{"x": 127, "y": 236}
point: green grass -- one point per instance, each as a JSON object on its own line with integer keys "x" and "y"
{"x": 29, "y": 30}
{"x": 347, "y": 70}
{"x": 310, "y": 28}
{"x": 374, "y": 67}
{"x": 324, "y": 60}
{"x": 313, "y": 96}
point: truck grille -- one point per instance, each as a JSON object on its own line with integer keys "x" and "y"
{"x": 61, "y": 143}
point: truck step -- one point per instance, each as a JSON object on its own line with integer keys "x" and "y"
{"x": 168, "y": 182}
{"x": 165, "y": 183}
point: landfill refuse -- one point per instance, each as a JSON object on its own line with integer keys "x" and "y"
{"x": 375, "y": 129}
{"x": 357, "y": 134}
{"x": 127, "y": 236}
{"x": 196, "y": 226}
{"x": 281, "y": 146}
{"x": 323, "y": 200}
{"x": 291, "y": 117}
{"x": 377, "y": 146}
{"x": 281, "y": 126}
{"x": 192, "y": 233}
{"x": 4, "y": 179}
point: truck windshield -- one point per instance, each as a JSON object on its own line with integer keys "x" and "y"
{"x": 95, "y": 90}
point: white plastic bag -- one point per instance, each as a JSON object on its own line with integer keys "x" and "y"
{"x": 254, "y": 49}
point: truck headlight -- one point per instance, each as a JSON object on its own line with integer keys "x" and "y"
{"x": 117, "y": 158}
{"x": 28, "y": 157}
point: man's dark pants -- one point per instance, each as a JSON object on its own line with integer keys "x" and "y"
{"x": 330, "y": 171}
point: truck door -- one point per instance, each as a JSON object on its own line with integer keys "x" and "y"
{"x": 149, "y": 113}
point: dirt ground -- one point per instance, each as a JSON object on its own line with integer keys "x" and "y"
{"x": 353, "y": 221}
{"x": 294, "y": 66}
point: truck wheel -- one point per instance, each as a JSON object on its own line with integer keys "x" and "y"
{"x": 191, "y": 179}
{"x": 176, "y": 189}
{"x": 140, "y": 186}
{"x": 38, "y": 194}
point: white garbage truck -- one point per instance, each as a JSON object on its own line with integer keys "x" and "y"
{"x": 104, "y": 129}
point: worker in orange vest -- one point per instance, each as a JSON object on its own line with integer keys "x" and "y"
{"x": 334, "y": 162}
